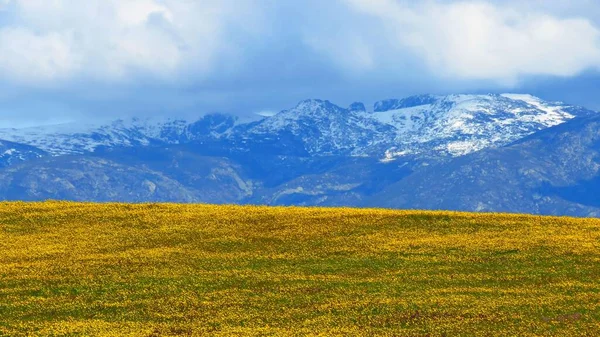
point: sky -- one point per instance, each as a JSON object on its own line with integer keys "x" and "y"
{"x": 74, "y": 60}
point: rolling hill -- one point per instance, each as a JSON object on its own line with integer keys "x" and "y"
{"x": 174, "y": 269}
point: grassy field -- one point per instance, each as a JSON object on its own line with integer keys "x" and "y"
{"x": 69, "y": 269}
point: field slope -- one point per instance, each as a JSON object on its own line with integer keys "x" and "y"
{"x": 70, "y": 269}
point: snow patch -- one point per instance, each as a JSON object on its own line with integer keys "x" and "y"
{"x": 9, "y": 152}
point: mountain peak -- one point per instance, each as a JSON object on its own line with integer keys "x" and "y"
{"x": 408, "y": 102}
{"x": 357, "y": 107}
{"x": 312, "y": 103}
{"x": 311, "y": 108}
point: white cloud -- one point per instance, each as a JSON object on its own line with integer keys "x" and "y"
{"x": 51, "y": 40}
{"x": 136, "y": 12}
{"x": 25, "y": 54}
{"x": 356, "y": 53}
{"x": 483, "y": 40}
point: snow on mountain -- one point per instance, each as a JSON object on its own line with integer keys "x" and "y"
{"x": 75, "y": 138}
{"x": 456, "y": 125}
{"x": 13, "y": 153}
{"x": 78, "y": 138}
{"x": 324, "y": 128}
{"x": 555, "y": 113}
{"x": 424, "y": 125}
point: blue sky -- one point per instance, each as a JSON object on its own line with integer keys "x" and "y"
{"x": 64, "y": 60}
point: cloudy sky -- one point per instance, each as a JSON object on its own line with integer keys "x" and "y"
{"x": 64, "y": 60}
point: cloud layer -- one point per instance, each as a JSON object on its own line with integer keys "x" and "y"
{"x": 113, "y": 40}
{"x": 479, "y": 40}
{"x": 211, "y": 54}
{"x": 50, "y": 40}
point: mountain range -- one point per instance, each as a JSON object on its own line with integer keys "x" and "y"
{"x": 508, "y": 152}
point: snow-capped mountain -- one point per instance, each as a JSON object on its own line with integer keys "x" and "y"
{"x": 74, "y": 138}
{"x": 426, "y": 126}
{"x": 554, "y": 171}
{"x": 323, "y": 128}
{"x": 456, "y": 125}
{"x": 411, "y": 152}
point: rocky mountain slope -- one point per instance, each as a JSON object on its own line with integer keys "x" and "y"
{"x": 555, "y": 171}
{"x": 15, "y": 153}
{"x": 470, "y": 152}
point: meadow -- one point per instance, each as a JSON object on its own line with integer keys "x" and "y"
{"x": 78, "y": 269}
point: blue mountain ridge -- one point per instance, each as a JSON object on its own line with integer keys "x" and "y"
{"x": 465, "y": 152}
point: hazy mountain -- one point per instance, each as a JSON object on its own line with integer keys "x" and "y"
{"x": 132, "y": 175}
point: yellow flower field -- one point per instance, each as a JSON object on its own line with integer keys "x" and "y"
{"x": 73, "y": 269}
